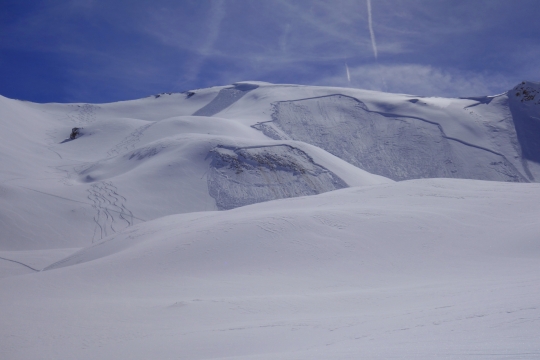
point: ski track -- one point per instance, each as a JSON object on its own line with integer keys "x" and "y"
{"x": 112, "y": 214}
{"x": 129, "y": 141}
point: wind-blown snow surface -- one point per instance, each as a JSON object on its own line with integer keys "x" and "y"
{"x": 111, "y": 245}
{"x": 421, "y": 269}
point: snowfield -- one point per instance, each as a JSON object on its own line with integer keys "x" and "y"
{"x": 262, "y": 221}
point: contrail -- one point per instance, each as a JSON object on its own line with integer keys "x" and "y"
{"x": 215, "y": 18}
{"x": 370, "y": 22}
{"x": 374, "y": 46}
{"x": 348, "y": 73}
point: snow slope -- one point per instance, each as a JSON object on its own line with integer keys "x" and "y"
{"x": 472, "y": 138}
{"x": 422, "y": 269}
{"x": 127, "y": 166}
{"x": 262, "y": 221}
{"x": 401, "y": 136}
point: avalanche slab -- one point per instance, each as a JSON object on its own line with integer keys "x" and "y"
{"x": 396, "y": 146}
{"x": 244, "y": 176}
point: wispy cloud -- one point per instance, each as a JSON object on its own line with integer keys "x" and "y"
{"x": 425, "y": 80}
{"x": 167, "y": 45}
{"x": 213, "y": 25}
{"x": 277, "y": 31}
{"x": 284, "y": 38}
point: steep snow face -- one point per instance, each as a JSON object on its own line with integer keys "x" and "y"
{"x": 525, "y": 107}
{"x": 243, "y": 176}
{"x": 397, "y": 146}
{"x": 466, "y": 138}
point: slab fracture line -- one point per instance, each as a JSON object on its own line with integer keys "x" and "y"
{"x": 454, "y": 139}
{"x": 41, "y": 192}
{"x": 20, "y": 263}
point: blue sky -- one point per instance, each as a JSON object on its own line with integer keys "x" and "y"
{"x": 102, "y": 51}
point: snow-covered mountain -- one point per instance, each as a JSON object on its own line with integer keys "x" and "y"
{"x": 229, "y": 146}
{"x": 166, "y": 226}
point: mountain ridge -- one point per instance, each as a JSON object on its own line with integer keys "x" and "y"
{"x": 156, "y": 151}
